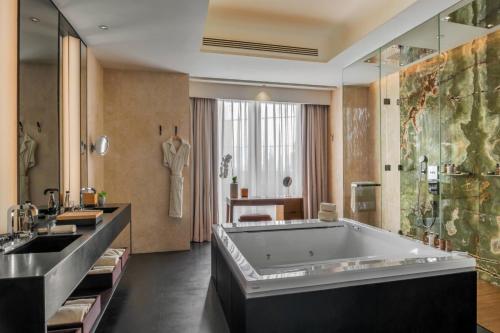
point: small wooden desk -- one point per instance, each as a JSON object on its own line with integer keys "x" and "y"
{"x": 287, "y": 208}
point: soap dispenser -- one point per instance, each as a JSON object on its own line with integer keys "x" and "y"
{"x": 52, "y": 205}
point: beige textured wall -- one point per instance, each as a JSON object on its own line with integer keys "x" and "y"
{"x": 335, "y": 152}
{"x": 95, "y": 116}
{"x": 135, "y": 104}
{"x": 8, "y": 107}
{"x": 38, "y": 103}
{"x": 361, "y": 151}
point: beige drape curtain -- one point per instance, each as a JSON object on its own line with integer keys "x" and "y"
{"x": 314, "y": 132}
{"x": 204, "y": 159}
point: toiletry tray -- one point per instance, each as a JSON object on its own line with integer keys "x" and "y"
{"x": 80, "y": 218}
{"x": 88, "y": 321}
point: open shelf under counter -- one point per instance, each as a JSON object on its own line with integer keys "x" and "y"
{"x": 106, "y": 296}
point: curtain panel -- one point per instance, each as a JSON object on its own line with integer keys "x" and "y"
{"x": 314, "y": 142}
{"x": 204, "y": 188}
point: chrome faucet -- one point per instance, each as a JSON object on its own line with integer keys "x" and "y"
{"x": 14, "y": 214}
{"x": 22, "y": 219}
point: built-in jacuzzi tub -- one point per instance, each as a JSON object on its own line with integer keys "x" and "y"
{"x": 329, "y": 269}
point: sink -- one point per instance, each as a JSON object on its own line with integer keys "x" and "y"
{"x": 104, "y": 209}
{"x": 40, "y": 244}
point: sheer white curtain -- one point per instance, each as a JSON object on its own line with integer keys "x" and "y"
{"x": 264, "y": 139}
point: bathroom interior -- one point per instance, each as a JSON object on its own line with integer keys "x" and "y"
{"x": 246, "y": 166}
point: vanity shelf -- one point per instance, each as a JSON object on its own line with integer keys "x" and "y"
{"x": 105, "y": 294}
{"x": 486, "y": 175}
{"x": 463, "y": 174}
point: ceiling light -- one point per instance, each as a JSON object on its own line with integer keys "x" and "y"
{"x": 103, "y": 27}
{"x": 34, "y": 19}
{"x": 489, "y": 26}
{"x": 447, "y": 18}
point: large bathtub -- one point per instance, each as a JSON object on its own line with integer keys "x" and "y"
{"x": 269, "y": 262}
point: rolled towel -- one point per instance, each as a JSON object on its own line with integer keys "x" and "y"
{"x": 107, "y": 261}
{"x": 68, "y": 314}
{"x": 42, "y": 230}
{"x": 327, "y": 216}
{"x": 80, "y": 301}
{"x": 114, "y": 252}
{"x": 327, "y": 207}
{"x": 101, "y": 270}
{"x": 63, "y": 229}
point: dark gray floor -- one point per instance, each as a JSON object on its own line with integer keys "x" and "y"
{"x": 168, "y": 292}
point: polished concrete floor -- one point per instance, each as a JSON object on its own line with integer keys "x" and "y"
{"x": 167, "y": 292}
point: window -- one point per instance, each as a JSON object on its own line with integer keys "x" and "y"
{"x": 265, "y": 142}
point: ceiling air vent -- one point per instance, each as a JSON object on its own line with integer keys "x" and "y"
{"x": 238, "y": 44}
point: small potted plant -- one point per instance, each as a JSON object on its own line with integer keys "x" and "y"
{"x": 233, "y": 188}
{"x": 102, "y": 198}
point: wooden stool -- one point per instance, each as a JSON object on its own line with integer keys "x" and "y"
{"x": 255, "y": 218}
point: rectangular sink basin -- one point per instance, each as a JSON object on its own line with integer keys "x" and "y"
{"x": 41, "y": 244}
{"x": 104, "y": 209}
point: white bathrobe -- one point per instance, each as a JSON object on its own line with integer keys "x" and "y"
{"x": 27, "y": 149}
{"x": 176, "y": 159}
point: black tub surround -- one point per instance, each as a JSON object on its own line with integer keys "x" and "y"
{"x": 257, "y": 297}
{"x": 34, "y": 285}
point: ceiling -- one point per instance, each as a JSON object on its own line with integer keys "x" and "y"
{"x": 331, "y": 11}
{"x": 167, "y": 34}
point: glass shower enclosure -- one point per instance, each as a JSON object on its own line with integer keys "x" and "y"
{"x": 421, "y": 118}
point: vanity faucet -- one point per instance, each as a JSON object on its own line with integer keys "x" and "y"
{"x": 22, "y": 219}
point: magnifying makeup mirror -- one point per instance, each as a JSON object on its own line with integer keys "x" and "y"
{"x": 101, "y": 145}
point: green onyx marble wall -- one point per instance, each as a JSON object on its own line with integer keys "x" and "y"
{"x": 450, "y": 112}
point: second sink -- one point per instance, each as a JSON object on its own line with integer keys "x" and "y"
{"x": 50, "y": 243}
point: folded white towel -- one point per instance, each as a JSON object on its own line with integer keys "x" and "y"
{"x": 114, "y": 252}
{"x": 107, "y": 261}
{"x": 68, "y": 314}
{"x": 327, "y": 216}
{"x": 101, "y": 270}
{"x": 80, "y": 301}
{"x": 63, "y": 229}
{"x": 327, "y": 207}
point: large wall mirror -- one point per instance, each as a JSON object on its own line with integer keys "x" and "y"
{"x": 52, "y": 132}
{"x": 38, "y": 159}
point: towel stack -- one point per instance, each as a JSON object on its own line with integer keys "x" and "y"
{"x": 108, "y": 261}
{"x": 327, "y": 212}
{"x": 73, "y": 311}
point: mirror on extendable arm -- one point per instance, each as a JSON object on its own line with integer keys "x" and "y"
{"x": 101, "y": 146}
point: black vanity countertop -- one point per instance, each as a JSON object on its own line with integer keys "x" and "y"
{"x": 49, "y": 278}
{"x": 40, "y": 264}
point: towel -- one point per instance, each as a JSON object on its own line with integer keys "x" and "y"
{"x": 327, "y": 216}
{"x": 63, "y": 229}
{"x": 327, "y": 207}
{"x": 80, "y": 301}
{"x": 68, "y": 314}
{"x": 101, "y": 270}
{"x": 107, "y": 261}
{"x": 114, "y": 252}
{"x": 363, "y": 197}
